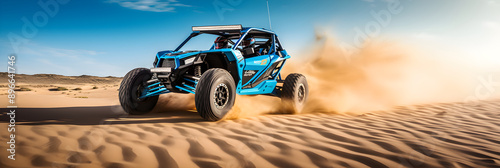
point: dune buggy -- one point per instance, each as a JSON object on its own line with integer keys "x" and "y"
{"x": 242, "y": 60}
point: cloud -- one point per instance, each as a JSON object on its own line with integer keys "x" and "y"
{"x": 38, "y": 50}
{"x": 491, "y": 28}
{"x": 386, "y": 1}
{"x": 491, "y": 25}
{"x": 150, "y": 5}
{"x": 60, "y": 68}
{"x": 425, "y": 36}
{"x": 491, "y": 2}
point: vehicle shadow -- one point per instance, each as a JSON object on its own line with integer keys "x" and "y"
{"x": 95, "y": 116}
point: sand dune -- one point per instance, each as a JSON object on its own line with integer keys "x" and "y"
{"x": 87, "y": 128}
{"x": 434, "y": 135}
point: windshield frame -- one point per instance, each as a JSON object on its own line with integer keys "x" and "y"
{"x": 241, "y": 35}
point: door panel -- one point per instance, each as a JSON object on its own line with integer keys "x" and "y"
{"x": 254, "y": 67}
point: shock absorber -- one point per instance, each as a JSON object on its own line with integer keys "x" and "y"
{"x": 197, "y": 70}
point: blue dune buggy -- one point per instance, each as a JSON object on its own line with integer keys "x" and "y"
{"x": 242, "y": 60}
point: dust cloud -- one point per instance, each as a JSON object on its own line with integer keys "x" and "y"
{"x": 377, "y": 76}
{"x": 175, "y": 102}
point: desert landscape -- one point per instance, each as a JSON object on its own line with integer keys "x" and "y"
{"x": 382, "y": 84}
{"x": 86, "y": 127}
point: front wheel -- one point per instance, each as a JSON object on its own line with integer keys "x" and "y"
{"x": 294, "y": 93}
{"x": 215, "y": 94}
{"x": 131, "y": 89}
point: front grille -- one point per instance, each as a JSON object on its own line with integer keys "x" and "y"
{"x": 168, "y": 63}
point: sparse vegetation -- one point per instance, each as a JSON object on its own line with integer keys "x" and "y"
{"x": 59, "y": 89}
{"x": 23, "y": 89}
{"x": 77, "y": 89}
{"x": 83, "y": 97}
{"x": 95, "y": 87}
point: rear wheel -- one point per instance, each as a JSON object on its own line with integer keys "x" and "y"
{"x": 215, "y": 94}
{"x": 294, "y": 93}
{"x": 131, "y": 89}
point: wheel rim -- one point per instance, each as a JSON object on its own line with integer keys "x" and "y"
{"x": 138, "y": 92}
{"x": 221, "y": 96}
{"x": 140, "y": 89}
{"x": 301, "y": 93}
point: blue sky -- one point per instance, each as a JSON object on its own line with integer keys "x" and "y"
{"x": 110, "y": 37}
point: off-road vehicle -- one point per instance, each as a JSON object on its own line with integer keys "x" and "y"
{"x": 242, "y": 60}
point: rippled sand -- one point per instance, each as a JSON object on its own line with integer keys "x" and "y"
{"x": 433, "y": 135}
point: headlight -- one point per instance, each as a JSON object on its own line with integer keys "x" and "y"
{"x": 161, "y": 70}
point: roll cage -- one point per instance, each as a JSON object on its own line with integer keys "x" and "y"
{"x": 236, "y": 32}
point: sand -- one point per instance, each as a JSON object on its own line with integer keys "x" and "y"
{"x": 60, "y": 130}
{"x": 435, "y": 135}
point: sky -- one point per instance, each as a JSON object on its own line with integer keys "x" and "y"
{"x": 111, "y": 37}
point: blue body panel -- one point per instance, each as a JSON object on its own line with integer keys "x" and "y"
{"x": 258, "y": 63}
{"x": 266, "y": 87}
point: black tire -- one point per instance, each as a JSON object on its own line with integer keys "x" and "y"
{"x": 215, "y": 94}
{"x": 130, "y": 90}
{"x": 294, "y": 94}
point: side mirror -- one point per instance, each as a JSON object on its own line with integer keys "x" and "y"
{"x": 284, "y": 53}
